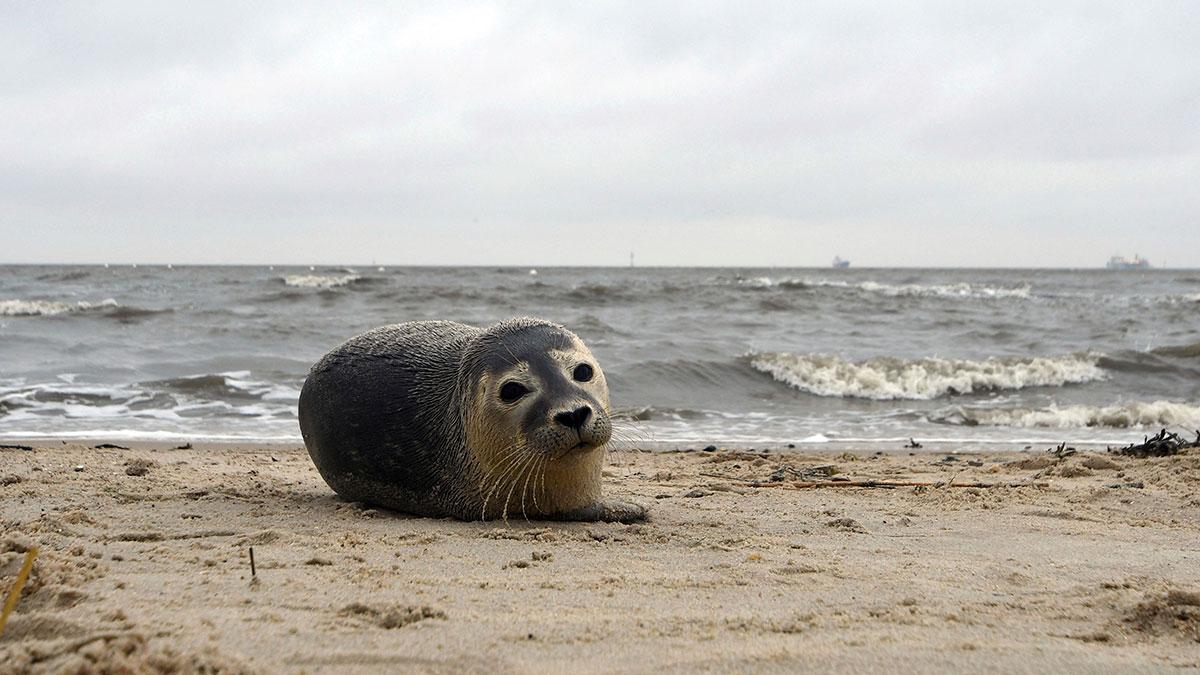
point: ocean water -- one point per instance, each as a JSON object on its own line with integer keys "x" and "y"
{"x": 693, "y": 356}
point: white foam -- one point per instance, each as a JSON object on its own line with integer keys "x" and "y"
{"x": 126, "y": 434}
{"x": 240, "y": 379}
{"x": 921, "y": 379}
{"x": 51, "y": 307}
{"x": 1154, "y": 414}
{"x": 959, "y": 290}
{"x": 320, "y": 280}
{"x": 757, "y": 282}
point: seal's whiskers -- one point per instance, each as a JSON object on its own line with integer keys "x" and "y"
{"x": 513, "y": 485}
{"x": 507, "y": 462}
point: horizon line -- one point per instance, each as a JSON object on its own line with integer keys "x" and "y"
{"x": 600, "y": 266}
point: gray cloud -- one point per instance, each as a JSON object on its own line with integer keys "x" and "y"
{"x": 772, "y": 133}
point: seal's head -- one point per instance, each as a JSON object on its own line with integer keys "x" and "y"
{"x": 536, "y": 417}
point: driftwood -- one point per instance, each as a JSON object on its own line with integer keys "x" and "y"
{"x": 9, "y": 446}
{"x": 886, "y": 484}
{"x": 805, "y": 473}
{"x": 1062, "y": 451}
{"x": 1163, "y": 444}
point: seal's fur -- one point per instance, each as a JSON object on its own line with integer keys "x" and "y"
{"x": 404, "y": 416}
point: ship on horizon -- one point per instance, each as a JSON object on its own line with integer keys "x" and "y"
{"x": 839, "y": 264}
{"x": 1118, "y": 262}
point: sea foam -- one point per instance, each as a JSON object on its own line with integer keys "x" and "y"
{"x": 51, "y": 307}
{"x": 320, "y": 280}
{"x": 891, "y": 378}
{"x": 957, "y": 290}
{"x": 1120, "y": 416}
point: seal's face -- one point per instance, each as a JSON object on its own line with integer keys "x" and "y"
{"x": 539, "y": 411}
{"x": 551, "y": 400}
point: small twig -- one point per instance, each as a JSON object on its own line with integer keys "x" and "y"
{"x": 253, "y": 573}
{"x": 15, "y": 592}
{"x": 9, "y": 446}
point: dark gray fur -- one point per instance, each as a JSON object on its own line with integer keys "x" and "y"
{"x": 382, "y": 415}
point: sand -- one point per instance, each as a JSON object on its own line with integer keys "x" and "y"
{"x": 1085, "y": 563}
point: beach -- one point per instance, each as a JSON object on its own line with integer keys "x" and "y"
{"x": 776, "y": 560}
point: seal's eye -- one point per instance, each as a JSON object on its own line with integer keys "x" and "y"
{"x": 511, "y": 391}
{"x": 583, "y": 373}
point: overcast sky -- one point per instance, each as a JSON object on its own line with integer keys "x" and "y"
{"x": 937, "y": 133}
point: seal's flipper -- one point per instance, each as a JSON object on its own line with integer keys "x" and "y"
{"x": 607, "y": 511}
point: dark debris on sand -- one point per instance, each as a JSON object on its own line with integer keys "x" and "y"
{"x": 1163, "y": 444}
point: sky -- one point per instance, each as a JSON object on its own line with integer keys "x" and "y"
{"x": 740, "y": 133}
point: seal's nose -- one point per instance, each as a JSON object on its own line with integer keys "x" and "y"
{"x": 574, "y": 419}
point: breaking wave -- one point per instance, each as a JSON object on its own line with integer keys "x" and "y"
{"x": 224, "y": 395}
{"x": 957, "y": 290}
{"x": 320, "y": 280}
{"x": 891, "y": 378}
{"x": 52, "y": 307}
{"x": 230, "y": 385}
{"x": 1137, "y": 414}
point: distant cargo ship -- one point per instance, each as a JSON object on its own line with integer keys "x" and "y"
{"x": 839, "y": 264}
{"x": 1118, "y": 262}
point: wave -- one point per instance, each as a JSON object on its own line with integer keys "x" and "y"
{"x": 922, "y": 379}
{"x": 649, "y": 412}
{"x": 1183, "y": 351}
{"x": 222, "y": 386}
{"x": 686, "y": 374}
{"x": 597, "y": 293}
{"x": 108, "y": 308}
{"x": 52, "y": 307}
{"x": 74, "y": 275}
{"x": 957, "y": 290}
{"x": 126, "y": 314}
{"x": 222, "y": 395}
{"x": 320, "y": 280}
{"x": 1138, "y": 414}
{"x": 1185, "y": 299}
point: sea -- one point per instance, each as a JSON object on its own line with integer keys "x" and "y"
{"x": 693, "y": 356}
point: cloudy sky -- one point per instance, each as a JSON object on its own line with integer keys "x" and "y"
{"x": 937, "y": 133}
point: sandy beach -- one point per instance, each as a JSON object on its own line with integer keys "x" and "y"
{"x": 1081, "y": 563}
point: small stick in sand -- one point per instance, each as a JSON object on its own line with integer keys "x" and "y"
{"x": 15, "y": 592}
{"x": 253, "y": 573}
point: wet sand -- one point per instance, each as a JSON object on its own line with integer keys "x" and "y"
{"x": 1078, "y": 564}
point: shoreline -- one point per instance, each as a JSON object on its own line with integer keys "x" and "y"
{"x": 1079, "y": 563}
{"x": 887, "y": 445}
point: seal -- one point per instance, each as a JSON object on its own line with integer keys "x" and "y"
{"x": 438, "y": 418}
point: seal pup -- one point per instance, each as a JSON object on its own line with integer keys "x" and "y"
{"x": 438, "y": 418}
